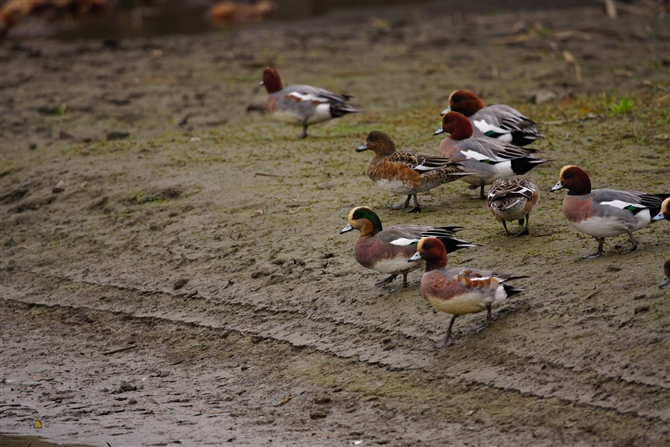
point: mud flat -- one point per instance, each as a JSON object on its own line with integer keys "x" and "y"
{"x": 172, "y": 269}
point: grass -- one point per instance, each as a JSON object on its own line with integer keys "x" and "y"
{"x": 622, "y": 107}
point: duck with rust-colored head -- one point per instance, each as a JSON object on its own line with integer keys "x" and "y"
{"x": 407, "y": 172}
{"x": 302, "y": 105}
{"x": 605, "y": 212}
{"x": 459, "y": 291}
{"x": 666, "y": 270}
{"x": 488, "y": 158}
{"x": 498, "y": 121}
{"x": 665, "y": 211}
{"x": 388, "y": 250}
{"x": 513, "y": 198}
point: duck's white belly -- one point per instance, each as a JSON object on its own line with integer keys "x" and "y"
{"x": 460, "y": 305}
{"x": 322, "y": 113}
{"x": 512, "y": 213}
{"x": 394, "y": 186}
{"x": 398, "y": 264}
{"x": 601, "y": 227}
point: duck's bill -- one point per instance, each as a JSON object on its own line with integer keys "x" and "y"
{"x": 362, "y": 148}
{"x": 659, "y": 216}
{"x": 438, "y": 131}
{"x": 445, "y": 111}
{"x": 556, "y": 187}
{"x": 347, "y": 229}
{"x": 665, "y": 282}
{"x": 415, "y": 257}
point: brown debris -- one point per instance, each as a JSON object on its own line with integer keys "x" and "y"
{"x": 231, "y": 11}
{"x": 15, "y": 10}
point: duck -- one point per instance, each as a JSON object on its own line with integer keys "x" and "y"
{"x": 605, "y": 212}
{"x": 459, "y": 291}
{"x": 407, "y": 172}
{"x": 498, "y": 121}
{"x": 302, "y": 105}
{"x": 387, "y": 250}
{"x": 664, "y": 213}
{"x": 513, "y": 198}
{"x": 488, "y": 158}
{"x": 666, "y": 278}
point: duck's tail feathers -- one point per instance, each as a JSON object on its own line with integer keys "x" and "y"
{"x": 522, "y": 165}
{"x": 511, "y": 290}
{"x": 339, "y": 109}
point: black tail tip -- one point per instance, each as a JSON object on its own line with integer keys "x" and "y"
{"x": 511, "y": 290}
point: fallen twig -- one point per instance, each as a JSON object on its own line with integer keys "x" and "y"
{"x": 565, "y": 121}
{"x": 571, "y": 59}
{"x": 286, "y": 400}
{"x": 267, "y": 174}
{"x": 591, "y": 294}
{"x": 127, "y": 348}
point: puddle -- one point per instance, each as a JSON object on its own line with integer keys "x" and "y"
{"x": 32, "y": 441}
{"x": 184, "y": 17}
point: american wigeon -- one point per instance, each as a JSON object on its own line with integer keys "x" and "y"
{"x": 604, "y": 212}
{"x": 388, "y": 250}
{"x": 488, "y": 158}
{"x": 498, "y": 121}
{"x": 666, "y": 270}
{"x": 302, "y": 105}
{"x": 665, "y": 211}
{"x": 407, "y": 172}
{"x": 513, "y": 198}
{"x": 459, "y": 291}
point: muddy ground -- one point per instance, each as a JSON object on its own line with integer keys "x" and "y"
{"x": 188, "y": 284}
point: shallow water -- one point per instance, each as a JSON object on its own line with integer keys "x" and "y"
{"x": 178, "y": 18}
{"x": 32, "y": 441}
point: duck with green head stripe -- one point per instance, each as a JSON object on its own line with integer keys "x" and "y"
{"x": 388, "y": 250}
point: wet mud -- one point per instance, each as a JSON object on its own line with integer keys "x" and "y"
{"x": 172, "y": 269}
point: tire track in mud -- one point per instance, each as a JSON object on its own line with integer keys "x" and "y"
{"x": 235, "y": 382}
{"x": 494, "y": 367}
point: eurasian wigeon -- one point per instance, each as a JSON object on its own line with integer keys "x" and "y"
{"x": 488, "y": 158}
{"x": 666, "y": 270}
{"x": 459, "y": 291}
{"x": 498, "y": 121}
{"x": 302, "y": 105}
{"x": 513, "y": 198}
{"x": 603, "y": 212}
{"x": 407, "y": 172}
{"x": 665, "y": 211}
{"x": 388, "y": 250}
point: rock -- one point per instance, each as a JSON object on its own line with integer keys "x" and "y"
{"x": 542, "y": 96}
{"x": 317, "y": 414}
{"x": 117, "y": 135}
{"x": 321, "y": 400}
{"x": 178, "y": 284}
{"x": 60, "y": 187}
{"x": 640, "y": 309}
{"x": 125, "y": 386}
